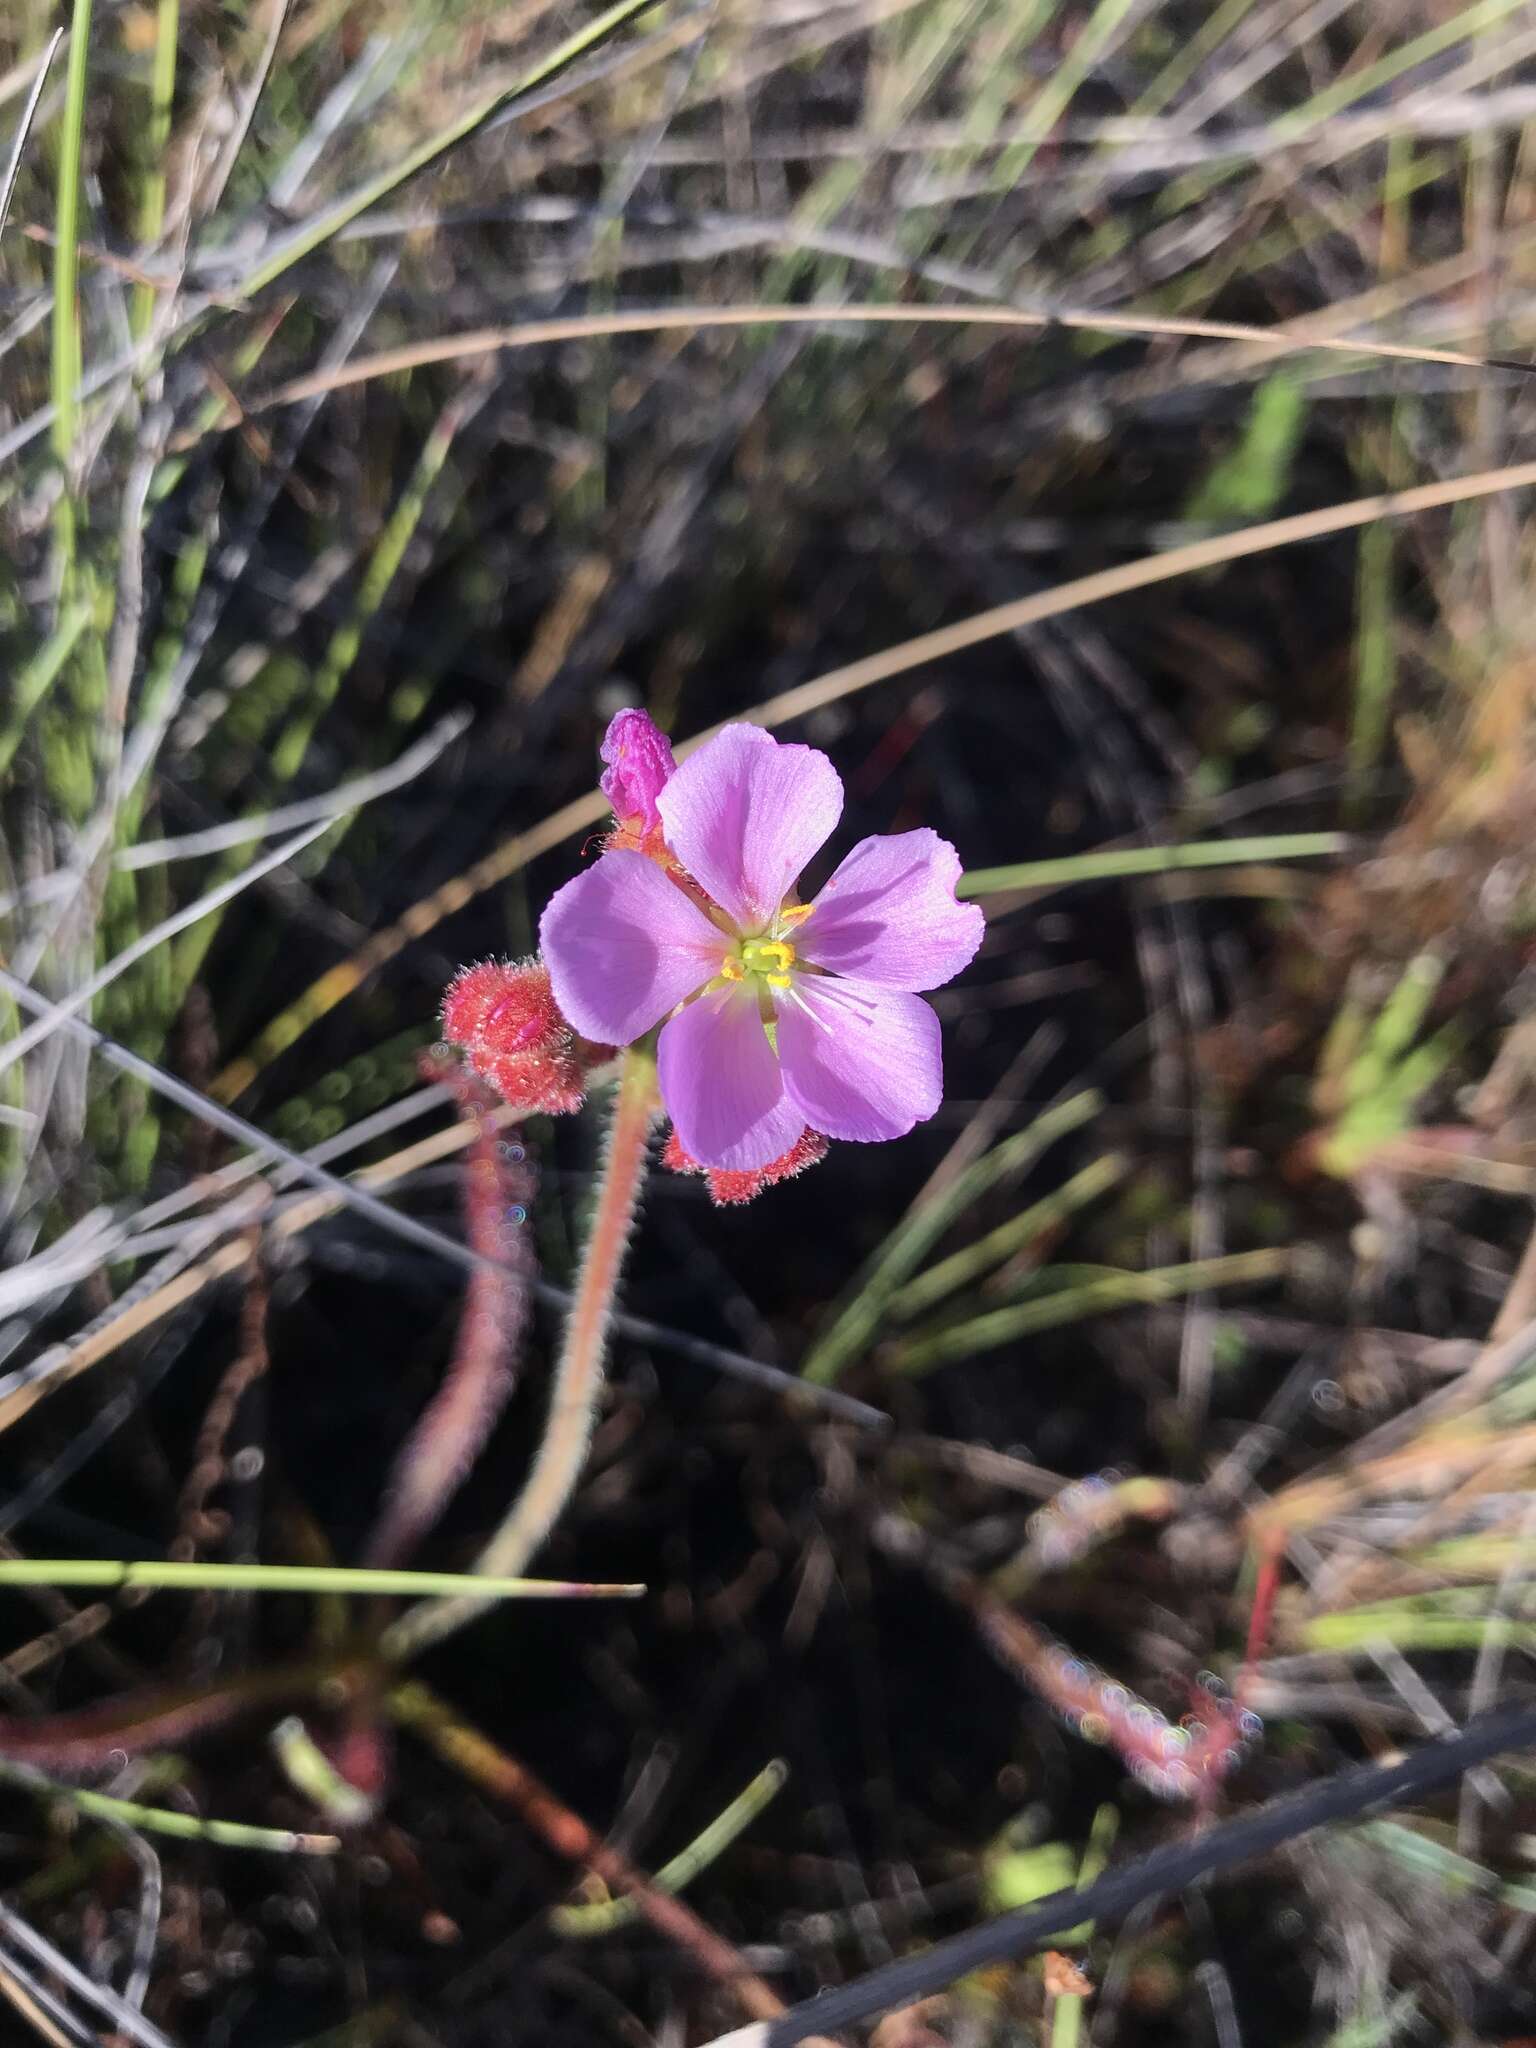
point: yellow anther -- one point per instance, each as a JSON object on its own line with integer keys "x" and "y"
{"x": 795, "y": 916}
{"x": 766, "y": 956}
{"x": 731, "y": 969}
{"x": 777, "y": 980}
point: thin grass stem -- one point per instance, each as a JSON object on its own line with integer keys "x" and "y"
{"x": 164, "y": 1820}
{"x": 922, "y": 1354}
{"x": 605, "y": 1916}
{"x": 162, "y": 96}
{"x": 1124, "y": 862}
{"x": 67, "y": 361}
{"x": 315, "y": 233}
{"x": 853, "y": 1325}
{"x": 156, "y": 1574}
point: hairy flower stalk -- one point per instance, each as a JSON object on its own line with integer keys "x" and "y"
{"x": 763, "y": 1024}
{"x": 578, "y": 1381}
{"x": 482, "y": 1371}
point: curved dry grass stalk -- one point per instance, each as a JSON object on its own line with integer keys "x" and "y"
{"x": 482, "y": 341}
{"x": 514, "y": 854}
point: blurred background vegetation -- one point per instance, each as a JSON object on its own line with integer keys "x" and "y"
{"x": 388, "y": 394}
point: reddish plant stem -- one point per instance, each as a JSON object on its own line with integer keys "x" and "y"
{"x": 210, "y": 1461}
{"x": 1174, "y": 1762}
{"x": 578, "y": 1381}
{"x": 131, "y": 1723}
{"x": 570, "y": 1836}
{"x": 481, "y": 1373}
{"x": 1266, "y": 1588}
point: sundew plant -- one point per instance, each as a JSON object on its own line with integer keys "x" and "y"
{"x": 767, "y": 1095}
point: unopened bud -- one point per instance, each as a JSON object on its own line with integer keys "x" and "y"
{"x": 640, "y": 764}
{"x": 514, "y": 1037}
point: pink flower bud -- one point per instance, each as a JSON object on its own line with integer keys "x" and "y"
{"x": 514, "y": 1036}
{"x": 640, "y": 762}
{"x": 729, "y": 1187}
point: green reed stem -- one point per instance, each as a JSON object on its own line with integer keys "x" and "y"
{"x": 287, "y": 754}
{"x": 603, "y": 1916}
{"x": 1008, "y": 1239}
{"x": 162, "y": 96}
{"x": 1149, "y": 860}
{"x": 863, "y": 1307}
{"x": 922, "y": 1353}
{"x": 286, "y": 1578}
{"x": 67, "y": 359}
{"x": 37, "y": 675}
{"x": 164, "y": 1820}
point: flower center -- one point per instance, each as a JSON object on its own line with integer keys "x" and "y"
{"x": 770, "y": 958}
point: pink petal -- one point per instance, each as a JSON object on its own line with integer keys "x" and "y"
{"x": 889, "y": 915}
{"x": 721, "y": 1084}
{"x": 865, "y": 1063}
{"x": 744, "y": 815}
{"x": 624, "y": 946}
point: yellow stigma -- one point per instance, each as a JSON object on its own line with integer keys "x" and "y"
{"x": 769, "y": 958}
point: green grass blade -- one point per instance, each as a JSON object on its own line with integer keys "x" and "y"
{"x": 38, "y": 676}
{"x": 67, "y": 361}
{"x": 1087, "y": 46}
{"x": 163, "y": 1820}
{"x": 604, "y": 1916}
{"x": 383, "y": 564}
{"x": 1375, "y": 657}
{"x": 317, "y": 232}
{"x": 1356, "y": 84}
{"x": 1357, "y": 1629}
{"x": 972, "y": 1260}
{"x": 864, "y": 1306}
{"x": 1117, "y": 864}
{"x": 922, "y": 1354}
{"x": 310, "y": 1771}
{"x": 162, "y": 96}
{"x": 1251, "y": 479}
{"x": 154, "y": 1574}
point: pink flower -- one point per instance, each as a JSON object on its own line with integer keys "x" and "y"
{"x": 639, "y": 763}
{"x": 779, "y": 1014}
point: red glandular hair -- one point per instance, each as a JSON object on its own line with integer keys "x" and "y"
{"x": 505, "y": 1018}
{"x": 729, "y": 1186}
